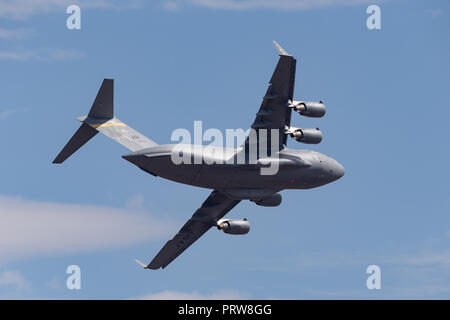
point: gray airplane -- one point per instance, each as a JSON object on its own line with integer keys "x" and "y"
{"x": 234, "y": 174}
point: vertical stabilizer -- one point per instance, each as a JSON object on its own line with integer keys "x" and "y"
{"x": 101, "y": 119}
{"x": 103, "y": 106}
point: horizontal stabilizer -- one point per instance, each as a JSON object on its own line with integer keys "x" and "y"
{"x": 101, "y": 119}
{"x": 83, "y": 135}
{"x": 120, "y": 132}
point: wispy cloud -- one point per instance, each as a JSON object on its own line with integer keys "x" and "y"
{"x": 172, "y": 5}
{"x": 434, "y": 12}
{"x": 42, "y": 55}
{"x": 19, "y": 33}
{"x": 7, "y": 113}
{"x": 22, "y": 9}
{"x": 417, "y": 274}
{"x": 136, "y": 201}
{"x": 31, "y": 228}
{"x": 61, "y": 54}
{"x": 13, "y": 278}
{"x": 436, "y": 259}
{"x": 56, "y": 282}
{"x": 262, "y": 4}
{"x": 421, "y": 259}
{"x": 194, "y": 295}
{"x": 17, "y": 55}
{"x": 4, "y": 114}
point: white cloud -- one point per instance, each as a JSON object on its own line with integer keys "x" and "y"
{"x": 15, "y": 33}
{"x": 4, "y": 114}
{"x": 429, "y": 260}
{"x": 420, "y": 291}
{"x": 17, "y": 55}
{"x": 7, "y": 113}
{"x": 435, "y": 259}
{"x": 55, "y": 283}
{"x": 412, "y": 274}
{"x": 179, "y": 295}
{"x": 435, "y": 12}
{"x": 14, "y": 278}
{"x": 136, "y": 201}
{"x": 42, "y": 55}
{"x": 31, "y": 228}
{"x": 265, "y": 4}
{"x": 22, "y": 9}
{"x": 61, "y": 55}
{"x": 171, "y": 5}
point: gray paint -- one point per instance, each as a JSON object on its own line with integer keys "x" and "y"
{"x": 231, "y": 182}
{"x": 298, "y": 169}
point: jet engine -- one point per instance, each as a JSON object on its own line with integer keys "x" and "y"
{"x": 271, "y": 201}
{"x": 234, "y": 226}
{"x": 308, "y": 136}
{"x": 308, "y": 108}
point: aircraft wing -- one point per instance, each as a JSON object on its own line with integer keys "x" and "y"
{"x": 212, "y": 210}
{"x": 274, "y": 112}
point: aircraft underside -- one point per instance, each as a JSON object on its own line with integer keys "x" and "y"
{"x": 239, "y": 174}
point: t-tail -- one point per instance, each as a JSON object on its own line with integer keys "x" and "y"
{"x": 101, "y": 119}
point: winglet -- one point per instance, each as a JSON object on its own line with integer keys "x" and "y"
{"x": 143, "y": 265}
{"x": 281, "y": 51}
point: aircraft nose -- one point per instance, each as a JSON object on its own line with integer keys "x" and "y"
{"x": 339, "y": 170}
{"x": 336, "y": 169}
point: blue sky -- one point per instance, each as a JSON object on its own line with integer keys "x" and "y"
{"x": 175, "y": 62}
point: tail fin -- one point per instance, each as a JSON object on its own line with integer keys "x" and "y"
{"x": 103, "y": 106}
{"x": 101, "y": 119}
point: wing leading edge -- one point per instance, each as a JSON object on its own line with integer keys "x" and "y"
{"x": 213, "y": 209}
{"x": 274, "y": 113}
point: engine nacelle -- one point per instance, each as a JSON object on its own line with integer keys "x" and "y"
{"x": 234, "y": 226}
{"x": 309, "y": 108}
{"x": 309, "y": 136}
{"x": 271, "y": 201}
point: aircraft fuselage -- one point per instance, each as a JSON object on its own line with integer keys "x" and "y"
{"x": 295, "y": 169}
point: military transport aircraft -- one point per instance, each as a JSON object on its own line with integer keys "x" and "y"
{"x": 232, "y": 181}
